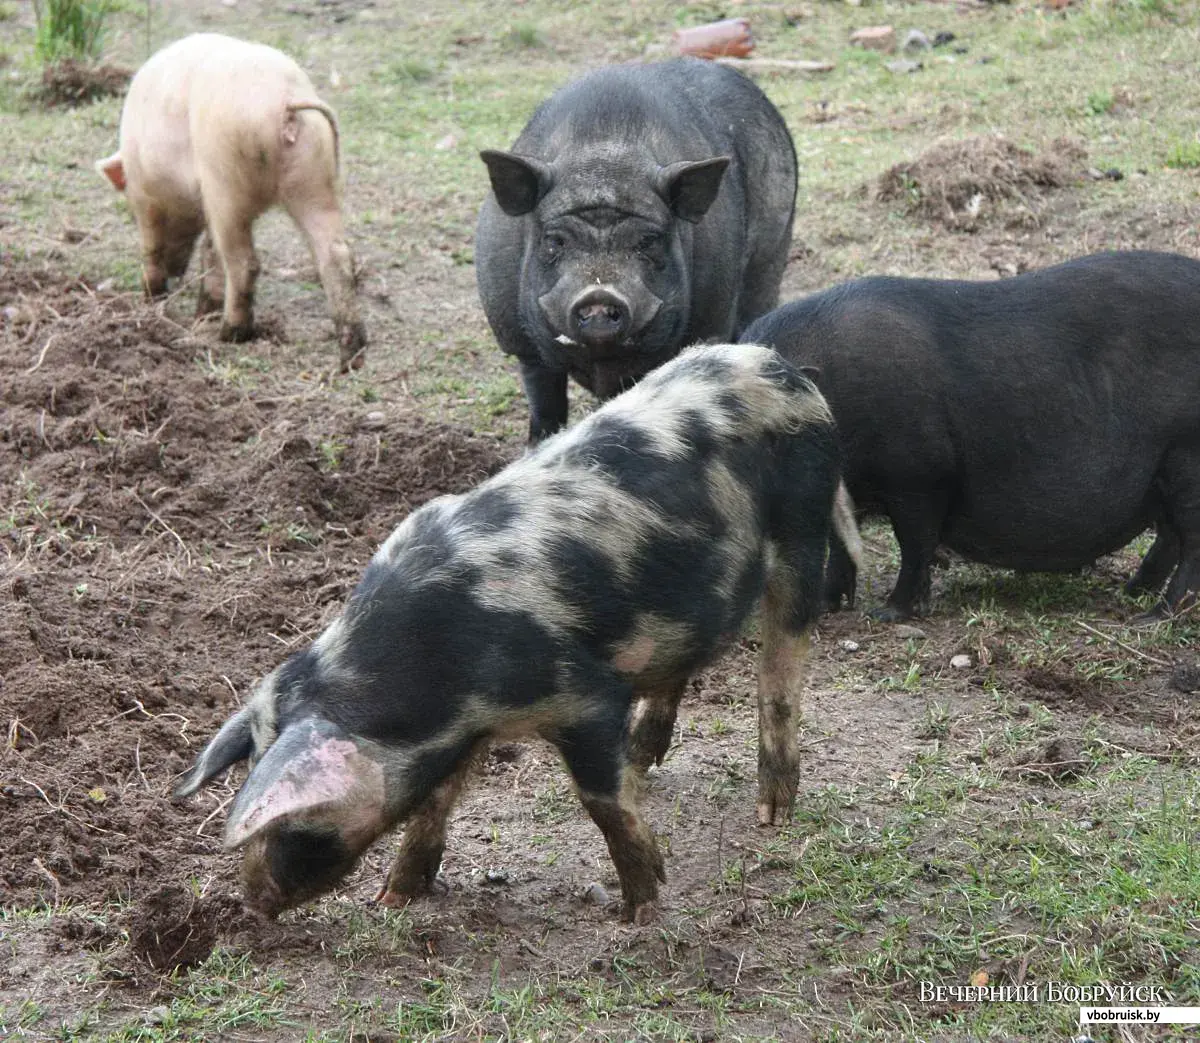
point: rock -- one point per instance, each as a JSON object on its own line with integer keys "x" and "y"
{"x": 156, "y": 1015}
{"x": 374, "y": 420}
{"x": 915, "y": 40}
{"x": 907, "y": 631}
{"x": 848, "y": 645}
{"x": 875, "y": 38}
{"x": 940, "y": 39}
{"x": 596, "y": 895}
{"x": 960, "y": 661}
{"x": 902, "y": 66}
{"x": 496, "y": 877}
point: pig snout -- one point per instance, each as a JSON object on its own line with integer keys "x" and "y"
{"x": 600, "y": 318}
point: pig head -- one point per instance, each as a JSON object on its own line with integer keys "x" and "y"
{"x": 606, "y": 276}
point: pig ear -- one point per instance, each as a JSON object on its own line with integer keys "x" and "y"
{"x": 518, "y": 181}
{"x": 314, "y": 765}
{"x": 233, "y": 743}
{"x": 691, "y": 188}
{"x": 113, "y": 168}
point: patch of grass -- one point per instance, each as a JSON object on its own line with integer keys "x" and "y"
{"x": 524, "y": 34}
{"x": 1184, "y": 155}
{"x": 71, "y": 28}
{"x": 1099, "y": 103}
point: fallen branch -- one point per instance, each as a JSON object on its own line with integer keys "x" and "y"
{"x": 780, "y": 64}
{"x": 1128, "y": 648}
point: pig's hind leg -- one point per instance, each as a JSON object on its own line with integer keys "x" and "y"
{"x": 211, "y": 297}
{"x": 1180, "y": 475}
{"x": 594, "y": 752}
{"x": 312, "y": 203}
{"x": 230, "y": 222}
{"x": 798, "y": 534}
{"x": 650, "y": 736}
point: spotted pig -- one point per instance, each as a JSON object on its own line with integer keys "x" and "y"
{"x": 601, "y": 570}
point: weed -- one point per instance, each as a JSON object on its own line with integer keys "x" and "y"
{"x": 524, "y": 34}
{"x": 1100, "y": 102}
{"x": 71, "y": 28}
{"x": 1184, "y": 155}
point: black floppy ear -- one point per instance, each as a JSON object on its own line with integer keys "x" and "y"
{"x": 233, "y": 743}
{"x": 519, "y": 182}
{"x": 691, "y": 188}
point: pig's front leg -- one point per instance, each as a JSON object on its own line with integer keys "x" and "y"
{"x": 546, "y": 390}
{"x": 594, "y": 751}
{"x": 420, "y": 855}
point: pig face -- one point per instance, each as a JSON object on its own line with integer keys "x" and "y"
{"x": 606, "y": 276}
{"x": 313, "y": 803}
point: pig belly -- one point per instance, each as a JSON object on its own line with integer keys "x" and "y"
{"x": 1048, "y": 534}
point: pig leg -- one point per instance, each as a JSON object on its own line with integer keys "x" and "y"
{"x": 211, "y": 297}
{"x": 917, "y": 522}
{"x": 650, "y": 737}
{"x": 1179, "y": 476}
{"x": 1158, "y": 564}
{"x": 167, "y": 244}
{"x": 420, "y": 855}
{"x": 593, "y": 750}
{"x": 798, "y": 529}
{"x": 546, "y": 390}
{"x": 229, "y": 224}
{"x": 315, "y": 209}
{"x": 841, "y": 578}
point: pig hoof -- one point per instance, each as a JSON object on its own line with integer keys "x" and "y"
{"x": 391, "y": 899}
{"x": 889, "y": 614}
{"x": 641, "y": 914}
{"x": 206, "y": 305}
{"x": 236, "y": 334}
{"x": 772, "y": 814}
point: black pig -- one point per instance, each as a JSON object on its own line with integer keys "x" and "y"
{"x": 642, "y": 209}
{"x": 605, "y": 567}
{"x": 1034, "y": 423}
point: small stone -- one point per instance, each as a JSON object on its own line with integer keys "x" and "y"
{"x": 907, "y": 631}
{"x": 156, "y": 1015}
{"x": 875, "y": 38}
{"x": 902, "y": 66}
{"x": 1113, "y": 174}
{"x": 1086, "y": 823}
{"x": 848, "y": 645}
{"x": 943, "y": 37}
{"x": 915, "y": 40}
{"x": 496, "y": 877}
{"x": 596, "y": 895}
{"x": 448, "y": 142}
{"x": 374, "y": 420}
{"x": 960, "y": 661}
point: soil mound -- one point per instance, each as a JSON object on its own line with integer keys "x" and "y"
{"x": 169, "y": 533}
{"x": 71, "y": 82}
{"x": 962, "y": 184}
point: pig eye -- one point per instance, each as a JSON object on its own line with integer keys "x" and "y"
{"x": 552, "y": 246}
{"x": 651, "y": 245}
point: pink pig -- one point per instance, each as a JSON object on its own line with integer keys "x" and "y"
{"x": 214, "y": 132}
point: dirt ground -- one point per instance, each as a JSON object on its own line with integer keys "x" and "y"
{"x": 180, "y": 518}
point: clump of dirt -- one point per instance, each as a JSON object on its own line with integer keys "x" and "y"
{"x": 963, "y": 184}
{"x": 170, "y": 533}
{"x": 71, "y": 82}
{"x": 1060, "y": 759}
{"x": 172, "y": 929}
